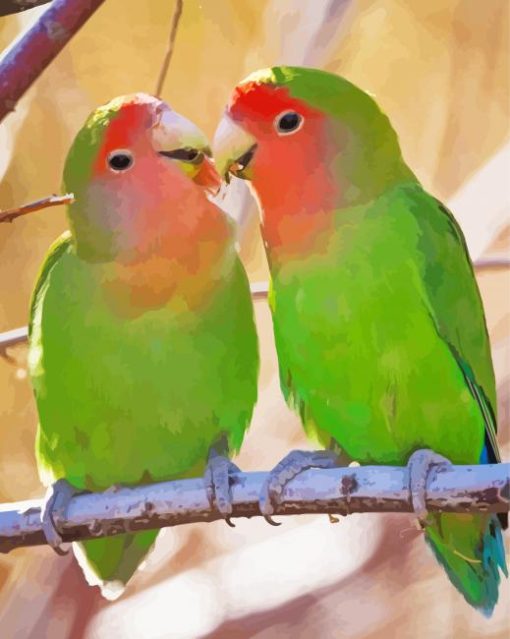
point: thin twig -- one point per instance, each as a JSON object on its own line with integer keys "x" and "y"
{"x": 11, "y": 338}
{"x": 24, "y": 61}
{"x": 170, "y": 47}
{"x": 491, "y": 263}
{"x": 340, "y": 491}
{"x": 259, "y": 290}
{"x": 8, "y": 215}
{"x": 8, "y": 7}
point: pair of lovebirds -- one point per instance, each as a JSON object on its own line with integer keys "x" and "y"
{"x": 143, "y": 349}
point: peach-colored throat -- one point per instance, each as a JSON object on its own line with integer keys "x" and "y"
{"x": 182, "y": 270}
{"x": 296, "y": 205}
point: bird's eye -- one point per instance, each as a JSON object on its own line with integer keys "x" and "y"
{"x": 120, "y": 160}
{"x": 288, "y": 122}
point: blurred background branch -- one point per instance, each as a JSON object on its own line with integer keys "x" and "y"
{"x": 170, "y": 48}
{"x": 340, "y": 491}
{"x": 8, "y": 7}
{"x": 24, "y": 61}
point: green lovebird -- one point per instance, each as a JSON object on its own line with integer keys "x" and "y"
{"x": 379, "y": 326}
{"x": 143, "y": 349}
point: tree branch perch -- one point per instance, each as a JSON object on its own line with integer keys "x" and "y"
{"x": 340, "y": 491}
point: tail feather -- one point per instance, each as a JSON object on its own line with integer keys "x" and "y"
{"x": 471, "y": 550}
{"x": 111, "y": 561}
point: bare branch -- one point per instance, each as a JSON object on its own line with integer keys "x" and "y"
{"x": 340, "y": 491}
{"x": 259, "y": 290}
{"x": 7, "y": 7}
{"x": 8, "y": 215}
{"x": 24, "y": 61}
{"x": 492, "y": 262}
{"x": 170, "y": 48}
{"x": 11, "y": 338}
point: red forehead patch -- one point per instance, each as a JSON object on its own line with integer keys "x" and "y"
{"x": 264, "y": 100}
{"x": 126, "y": 125}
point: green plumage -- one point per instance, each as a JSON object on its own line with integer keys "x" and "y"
{"x": 383, "y": 337}
{"x": 127, "y": 401}
{"x": 379, "y": 325}
{"x": 381, "y": 308}
{"x": 143, "y": 348}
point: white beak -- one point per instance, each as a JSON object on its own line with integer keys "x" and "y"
{"x": 230, "y": 143}
{"x": 173, "y": 131}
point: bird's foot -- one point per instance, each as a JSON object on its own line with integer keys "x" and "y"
{"x": 55, "y": 507}
{"x": 218, "y": 478}
{"x": 291, "y": 465}
{"x": 420, "y": 465}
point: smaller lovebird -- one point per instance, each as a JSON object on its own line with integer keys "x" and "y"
{"x": 143, "y": 351}
{"x": 379, "y": 326}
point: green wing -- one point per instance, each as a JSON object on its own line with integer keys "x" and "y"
{"x": 455, "y": 304}
{"x": 55, "y": 252}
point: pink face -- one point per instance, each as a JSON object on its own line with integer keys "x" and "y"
{"x": 285, "y": 144}
{"x": 287, "y": 132}
{"x": 149, "y": 163}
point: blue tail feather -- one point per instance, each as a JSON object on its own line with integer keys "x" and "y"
{"x": 472, "y": 560}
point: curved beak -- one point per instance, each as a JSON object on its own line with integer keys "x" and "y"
{"x": 177, "y": 138}
{"x": 173, "y": 132}
{"x": 233, "y": 149}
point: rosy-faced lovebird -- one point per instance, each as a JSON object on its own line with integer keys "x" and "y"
{"x": 143, "y": 351}
{"x": 379, "y": 326}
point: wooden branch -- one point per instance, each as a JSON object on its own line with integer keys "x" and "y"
{"x": 7, "y": 7}
{"x": 12, "y": 338}
{"x": 259, "y": 290}
{"x": 340, "y": 491}
{"x": 8, "y": 215}
{"x": 492, "y": 263}
{"x": 24, "y": 61}
{"x": 170, "y": 47}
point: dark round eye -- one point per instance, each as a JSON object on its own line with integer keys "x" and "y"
{"x": 288, "y": 122}
{"x": 120, "y": 160}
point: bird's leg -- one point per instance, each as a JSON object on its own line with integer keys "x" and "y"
{"x": 291, "y": 465}
{"x": 420, "y": 465}
{"x": 55, "y": 507}
{"x": 218, "y": 478}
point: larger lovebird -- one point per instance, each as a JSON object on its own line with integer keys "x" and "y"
{"x": 143, "y": 350}
{"x": 379, "y": 326}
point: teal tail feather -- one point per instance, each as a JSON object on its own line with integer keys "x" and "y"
{"x": 110, "y": 562}
{"x": 471, "y": 550}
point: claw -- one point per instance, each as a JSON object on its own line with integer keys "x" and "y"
{"x": 294, "y": 463}
{"x": 217, "y": 478}
{"x": 271, "y": 521}
{"x": 420, "y": 465}
{"x": 55, "y": 507}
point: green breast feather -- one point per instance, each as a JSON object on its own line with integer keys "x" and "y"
{"x": 122, "y": 401}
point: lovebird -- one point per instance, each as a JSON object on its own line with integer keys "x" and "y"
{"x": 143, "y": 351}
{"x": 379, "y": 326}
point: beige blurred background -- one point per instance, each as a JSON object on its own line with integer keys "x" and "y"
{"x": 440, "y": 69}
